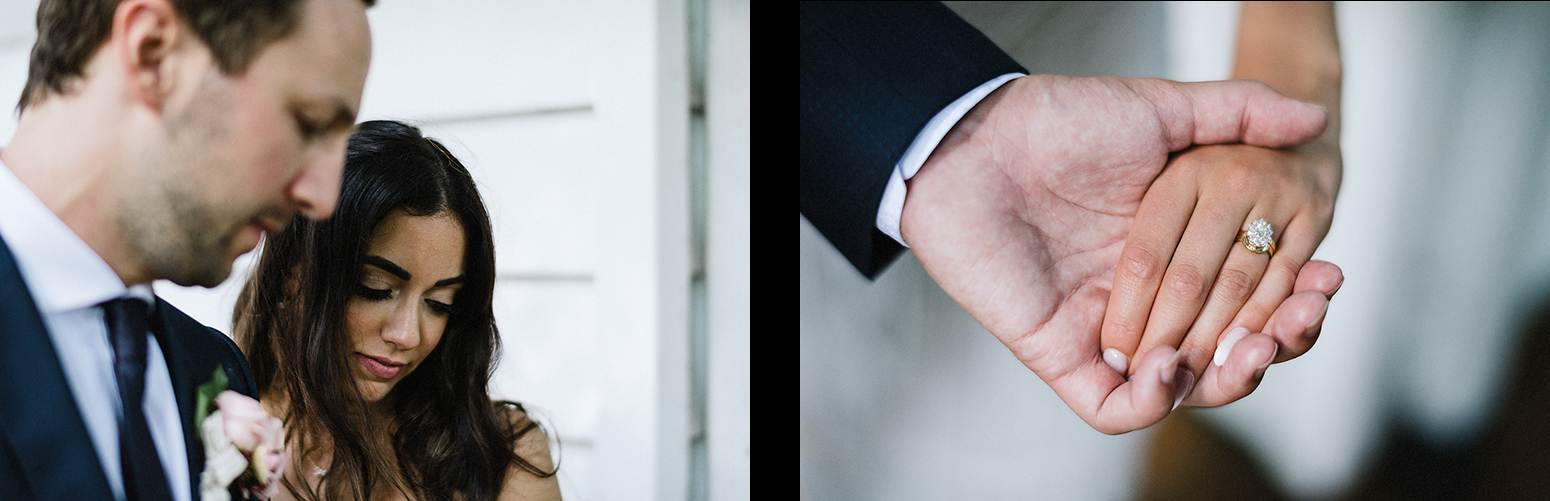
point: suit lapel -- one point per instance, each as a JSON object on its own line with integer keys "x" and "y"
{"x": 39, "y": 421}
{"x": 183, "y": 389}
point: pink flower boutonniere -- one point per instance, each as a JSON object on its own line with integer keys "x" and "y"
{"x": 244, "y": 446}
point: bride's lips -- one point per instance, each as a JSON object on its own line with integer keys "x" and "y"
{"x": 380, "y": 367}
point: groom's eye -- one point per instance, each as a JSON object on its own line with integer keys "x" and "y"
{"x": 307, "y": 128}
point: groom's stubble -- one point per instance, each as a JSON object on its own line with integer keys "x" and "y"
{"x": 175, "y": 226}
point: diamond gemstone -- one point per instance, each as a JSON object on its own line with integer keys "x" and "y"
{"x": 1259, "y": 233}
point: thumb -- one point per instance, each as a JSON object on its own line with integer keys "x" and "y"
{"x": 1234, "y": 111}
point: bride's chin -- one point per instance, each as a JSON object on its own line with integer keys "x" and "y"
{"x": 372, "y": 391}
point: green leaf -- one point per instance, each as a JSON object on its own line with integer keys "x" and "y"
{"x": 206, "y": 395}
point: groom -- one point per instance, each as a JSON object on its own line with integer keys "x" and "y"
{"x": 155, "y": 141}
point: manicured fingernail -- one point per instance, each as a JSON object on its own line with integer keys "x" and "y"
{"x": 1259, "y": 372}
{"x": 1186, "y": 384}
{"x": 1312, "y": 330}
{"x": 1222, "y": 350}
{"x": 1116, "y": 360}
{"x": 1331, "y": 294}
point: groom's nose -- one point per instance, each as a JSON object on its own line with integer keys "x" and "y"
{"x": 315, "y": 190}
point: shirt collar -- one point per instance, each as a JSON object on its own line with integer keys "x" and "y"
{"x": 61, "y": 271}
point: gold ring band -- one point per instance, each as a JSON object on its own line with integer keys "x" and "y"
{"x": 1270, "y": 248}
{"x": 1258, "y": 238}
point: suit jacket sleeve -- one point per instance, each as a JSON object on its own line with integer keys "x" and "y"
{"x": 872, "y": 75}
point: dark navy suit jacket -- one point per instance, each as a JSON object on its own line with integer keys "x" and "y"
{"x": 872, "y": 75}
{"x": 45, "y": 452}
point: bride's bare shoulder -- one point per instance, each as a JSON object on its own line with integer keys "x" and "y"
{"x": 533, "y": 476}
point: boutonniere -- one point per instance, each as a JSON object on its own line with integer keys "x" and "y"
{"x": 244, "y": 445}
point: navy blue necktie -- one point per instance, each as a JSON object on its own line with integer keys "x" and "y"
{"x": 127, "y": 326}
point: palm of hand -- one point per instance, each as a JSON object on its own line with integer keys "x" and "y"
{"x": 1021, "y": 214}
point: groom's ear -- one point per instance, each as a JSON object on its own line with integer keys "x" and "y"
{"x": 153, "y": 48}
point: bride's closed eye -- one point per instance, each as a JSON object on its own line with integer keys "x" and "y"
{"x": 372, "y": 294}
{"x": 439, "y": 307}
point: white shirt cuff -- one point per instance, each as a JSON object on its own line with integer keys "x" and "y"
{"x": 892, "y": 207}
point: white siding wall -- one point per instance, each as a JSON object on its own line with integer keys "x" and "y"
{"x": 727, "y": 270}
{"x": 574, "y": 118}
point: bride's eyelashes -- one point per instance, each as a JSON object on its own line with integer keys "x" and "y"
{"x": 371, "y": 294}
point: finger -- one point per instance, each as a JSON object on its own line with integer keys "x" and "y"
{"x": 1192, "y": 276}
{"x": 1297, "y": 323}
{"x": 1305, "y": 309}
{"x": 1245, "y": 358}
{"x": 1322, "y": 276}
{"x": 1297, "y": 245}
{"x": 1142, "y": 401}
{"x": 1236, "y": 283}
{"x": 1065, "y": 355}
{"x": 1160, "y": 220}
{"x": 1232, "y": 111}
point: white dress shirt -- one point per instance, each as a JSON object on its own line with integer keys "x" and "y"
{"x": 892, "y": 207}
{"x": 67, "y": 280}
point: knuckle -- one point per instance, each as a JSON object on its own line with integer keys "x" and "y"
{"x": 1255, "y": 313}
{"x": 1321, "y": 202}
{"x": 1285, "y": 270}
{"x": 1234, "y": 285}
{"x": 1124, "y": 329}
{"x": 1143, "y": 263}
{"x": 1186, "y": 283}
{"x": 1240, "y": 177}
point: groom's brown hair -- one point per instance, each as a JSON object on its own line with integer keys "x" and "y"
{"x": 71, "y": 31}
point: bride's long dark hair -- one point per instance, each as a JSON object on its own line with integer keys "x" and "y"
{"x": 450, "y": 441}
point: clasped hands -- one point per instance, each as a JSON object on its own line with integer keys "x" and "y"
{"x": 1079, "y": 222}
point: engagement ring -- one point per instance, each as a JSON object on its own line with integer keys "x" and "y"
{"x": 1258, "y": 238}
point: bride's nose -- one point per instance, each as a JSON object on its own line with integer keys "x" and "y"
{"x": 402, "y": 329}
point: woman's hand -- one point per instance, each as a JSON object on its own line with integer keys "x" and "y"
{"x": 1182, "y": 258}
{"x": 1185, "y": 281}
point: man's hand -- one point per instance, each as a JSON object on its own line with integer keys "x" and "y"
{"x": 1020, "y": 215}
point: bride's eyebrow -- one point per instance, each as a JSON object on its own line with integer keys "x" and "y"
{"x": 388, "y": 266}
{"x": 403, "y": 274}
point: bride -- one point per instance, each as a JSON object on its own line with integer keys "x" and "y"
{"x": 371, "y": 335}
